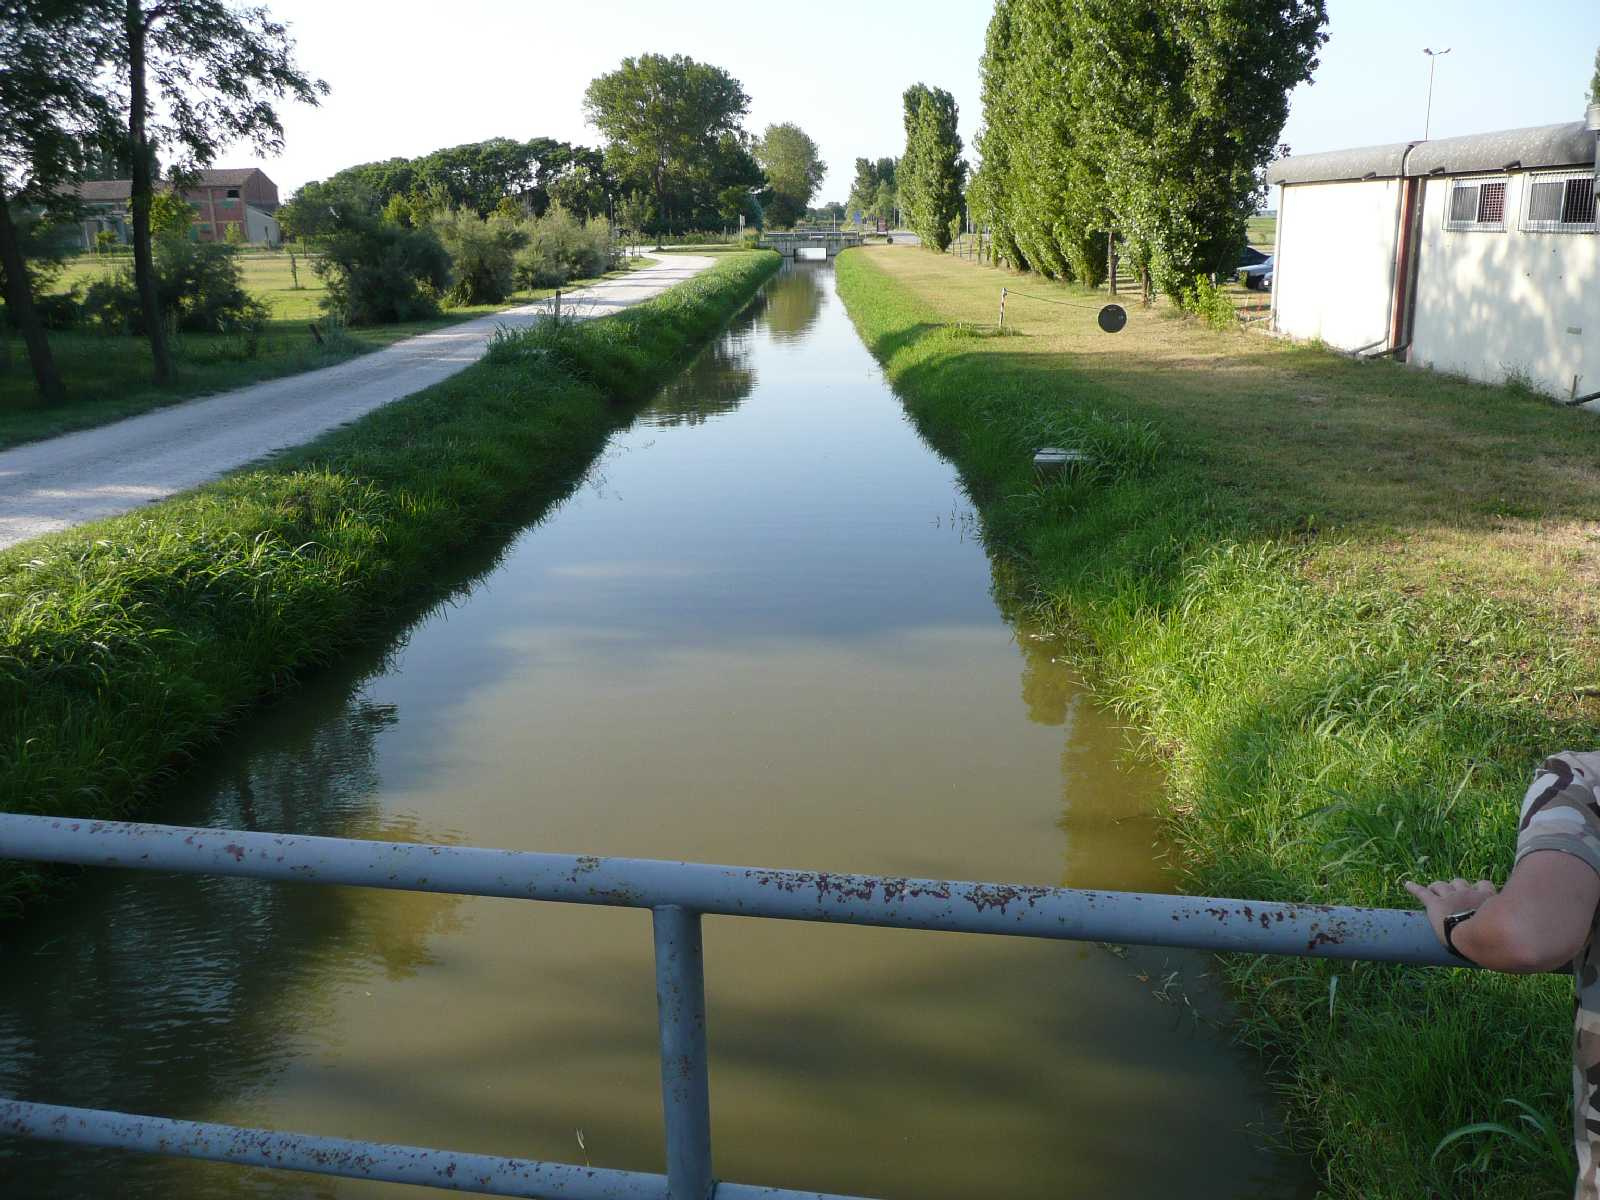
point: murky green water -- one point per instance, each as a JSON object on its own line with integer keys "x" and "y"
{"x": 761, "y": 633}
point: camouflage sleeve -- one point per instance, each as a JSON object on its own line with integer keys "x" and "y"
{"x": 1562, "y": 808}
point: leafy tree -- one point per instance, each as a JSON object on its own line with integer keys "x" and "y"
{"x": 863, "y": 187}
{"x": 50, "y": 107}
{"x": 1594, "y": 84}
{"x": 398, "y": 210}
{"x": 932, "y": 173}
{"x": 635, "y": 213}
{"x": 673, "y": 129}
{"x": 872, "y": 191}
{"x": 478, "y": 175}
{"x": 1198, "y": 103}
{"x": 217, "y": 71}
{"x": 1139, "y": 116}
{"x": 314, "y": 210}
{"x": 170, "y": 216}
{"x": 583, "y": 189}
{"x": 794, "y": 170}
{"x": 884, "y": 204}
{"x": 1037, "y": 189}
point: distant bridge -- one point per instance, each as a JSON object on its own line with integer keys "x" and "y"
{"x": 810, "y": 243}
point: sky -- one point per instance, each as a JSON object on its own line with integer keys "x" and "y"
{"x": 408, "y": 77}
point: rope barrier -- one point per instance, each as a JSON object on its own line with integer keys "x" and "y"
{"x": 1112, "y": 317}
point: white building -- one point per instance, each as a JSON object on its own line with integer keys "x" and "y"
{"x": 1474, "y": 255}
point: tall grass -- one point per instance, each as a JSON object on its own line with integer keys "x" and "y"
{"x": 128, "y": 644}
{"x": 1326, "y": 734}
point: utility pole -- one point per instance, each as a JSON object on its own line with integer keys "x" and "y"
{"x": 1433, "y": 60}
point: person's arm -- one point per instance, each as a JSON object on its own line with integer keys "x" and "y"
{"x": 1538, "y": 922}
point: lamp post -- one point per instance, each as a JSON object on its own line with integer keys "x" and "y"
{"x": 1433, "y": 60}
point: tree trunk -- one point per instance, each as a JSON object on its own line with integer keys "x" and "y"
{"x": 143, "y": 155}
{"x": 20, "y": 310}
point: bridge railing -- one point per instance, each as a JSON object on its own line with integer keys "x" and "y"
{"x": 677, "y": 894}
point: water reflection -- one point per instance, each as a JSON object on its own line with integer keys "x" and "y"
{"x": 717, "y": 382}
{"x": 768, "y": 638}
{"x": 791, "y": 306}
{"x": 168, "y": 994}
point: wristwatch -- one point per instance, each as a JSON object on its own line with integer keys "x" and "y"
{"x": 1450, "y": 924}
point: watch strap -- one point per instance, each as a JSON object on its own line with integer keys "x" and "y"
{"x": 1450, "y": 923}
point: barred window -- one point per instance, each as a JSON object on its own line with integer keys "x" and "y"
{"x": 1477, "y": 204}
{"x": 1560, "y": 204}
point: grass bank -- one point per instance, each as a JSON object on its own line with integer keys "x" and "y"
{"x": 108, "y": 376}
{"x": 128, "y": 644}
{"x": 1348, "y": 606}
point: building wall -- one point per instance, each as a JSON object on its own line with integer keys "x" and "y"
{"x": 1506, "y": 303}
{"x": 215, "y": 211}
{"x": 261, "y": 228}
{"x": 1333, "y": 277}
{"x": 260, "y": 192}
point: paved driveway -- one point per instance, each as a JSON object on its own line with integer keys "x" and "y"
{"x": 55, "y": 484}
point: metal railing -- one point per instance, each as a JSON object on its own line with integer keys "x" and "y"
{"x": 677, "y": 894}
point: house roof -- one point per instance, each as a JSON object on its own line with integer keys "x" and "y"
{"x": 1364, "y": 162}
{"x": 226, "y": 176}
{"x": 1564, "y": 145}
{"x": 105, "y": 191}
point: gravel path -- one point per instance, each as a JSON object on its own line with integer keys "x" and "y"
{"x": 55, "y": 484}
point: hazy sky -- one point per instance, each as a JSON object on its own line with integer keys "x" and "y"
{"x": 409, "y": 77}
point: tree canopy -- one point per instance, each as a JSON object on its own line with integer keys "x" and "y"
{"x": 872, "y": 191}
{"x": 794, "y": 170}
{"x": 1594, "y": 83}
{"x": 674, "y": 130}
{"x": 478, "y": 175}
{"x": 1139, "y": 116}
{"x": 931, "y": 175}
{"x": 195, "y": 78}
{"x": 50, "y": 108}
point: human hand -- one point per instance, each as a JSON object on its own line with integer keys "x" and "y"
{"x": 1442, "y": 898}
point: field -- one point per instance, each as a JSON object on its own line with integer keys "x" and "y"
{"x": 1348, "y": 606}
{"x": 108, "y": 378}
{"x": 1261, "y": 231}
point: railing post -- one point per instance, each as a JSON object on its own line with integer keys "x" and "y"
{"x": 685, "y": 1084}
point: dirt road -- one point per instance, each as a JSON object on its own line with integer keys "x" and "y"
{"x": 55, "y": 484}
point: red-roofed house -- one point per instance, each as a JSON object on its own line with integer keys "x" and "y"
{"x": 221, "y": 197}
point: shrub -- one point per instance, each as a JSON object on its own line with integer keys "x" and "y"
{"x": 378, "y": 272}
{"x": 199, "y": 286}
{"x": 1210, "y": 303}
{"x": 483, "y": 253}
{"x": 561, "y": 247}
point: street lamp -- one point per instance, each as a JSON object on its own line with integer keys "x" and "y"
{"x": 1433, "y": 60}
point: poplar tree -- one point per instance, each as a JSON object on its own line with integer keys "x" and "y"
{"x": 50, "y": 109}
{"x": 1594, "y": 84}
{"x": 1140, "y": 116}
{"x": 932, "y": 174}
{"x": 198, "y": 76}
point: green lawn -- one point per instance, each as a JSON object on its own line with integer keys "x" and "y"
{"x": 1348, "y": 606}
{"x": 1261, "y": 232}
{"x": 108, "y": 378}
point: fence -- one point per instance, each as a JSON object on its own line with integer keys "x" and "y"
{"x": 677, "y": 894}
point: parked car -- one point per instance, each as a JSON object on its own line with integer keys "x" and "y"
{"x": 1257, "y": 276}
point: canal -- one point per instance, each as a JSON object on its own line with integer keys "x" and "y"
{"x": 764, "y": 630}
